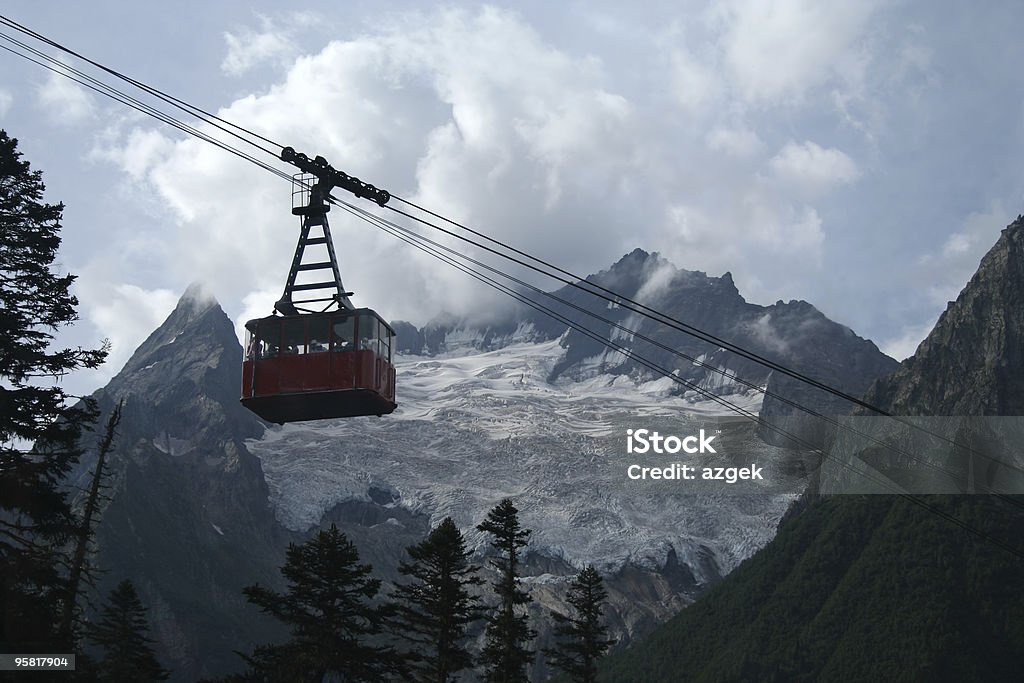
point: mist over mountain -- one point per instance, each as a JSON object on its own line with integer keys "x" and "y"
{"x": 794, "y": 334}
{"x": 205, "y": 496}
{"x": 875, "y": 587}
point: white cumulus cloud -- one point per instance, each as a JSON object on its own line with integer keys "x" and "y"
{"x": 63, "y": 101}
{"x": 736, "y": 142}
{"x": 943, "y": 272}
{"x": 125, "y": 314}
{"x": 777, "y": 49}
{"x": 812, "y": 169}
{"x": 248, "y": 48}
{"x": 694, "y": 84}
{"x": 436, "y": 105}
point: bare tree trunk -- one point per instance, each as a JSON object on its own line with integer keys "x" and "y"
{"x": 86, "y": 530}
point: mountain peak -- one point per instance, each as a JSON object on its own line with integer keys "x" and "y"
{"x": 1017, "y": 225}
{"x": 189, "y": 353}
{"x": 636, "y": 259}
{"x": 197, "y": 302}
{"x": 197, "y": 298}
{"x": 637, "y": 253}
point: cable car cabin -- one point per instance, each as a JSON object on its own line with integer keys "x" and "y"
{"x": 318, "y": 366}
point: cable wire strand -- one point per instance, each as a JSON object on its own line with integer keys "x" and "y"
{"x": 170, "y": 99}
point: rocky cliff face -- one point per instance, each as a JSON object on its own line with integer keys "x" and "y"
{"x": 972, "y": 363}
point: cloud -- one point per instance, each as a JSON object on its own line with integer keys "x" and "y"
{"x": 63, "y": 101}
{"x": 944, "y": 272}
{"x": 248, "y": 48}
{"x": 6, "y": 100}
{"x": 768, "y": 244}
{"x": 753, "y": 146}
{"x": 905, "y": 343}
{"x": 735, "y": 142}
{"x": 433, "y": 107}
{"x": 136, "y": 152}
{"x": 125, "y": 314}
{"x": 811, "y": 169}
{"x": 694, "y": 85}
{"x": 777, "y": 49}
{"x": 764, "y": 331}
{"x": 656, "y": 282}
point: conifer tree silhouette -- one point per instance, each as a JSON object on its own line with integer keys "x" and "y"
{"x": 506, "y": 654}
{"x": 434, "y": 609}
{"x": 39, "y": 432}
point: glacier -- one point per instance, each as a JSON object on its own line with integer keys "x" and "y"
{"x": 473, "y": 427}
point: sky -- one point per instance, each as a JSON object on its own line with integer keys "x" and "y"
{"x": 860, "y": 156}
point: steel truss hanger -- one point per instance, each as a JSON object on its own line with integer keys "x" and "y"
{"x": 326, "y": 274}
{"x": 325, "y": 287}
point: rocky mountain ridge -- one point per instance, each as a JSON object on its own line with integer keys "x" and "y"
{"x": 794, "y": 334}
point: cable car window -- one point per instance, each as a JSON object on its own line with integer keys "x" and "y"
{"x": 385, "y": 341}
{"x": 319, "y": 330}
{"x": 250, "y": 345}
{"x": 269, "y": 337}
{"x": 368, "y": 333}
{"x": 293, "y": 341}
{"x": 342, "y": 333}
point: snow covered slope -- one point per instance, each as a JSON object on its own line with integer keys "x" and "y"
{"x": 473, "y": 429}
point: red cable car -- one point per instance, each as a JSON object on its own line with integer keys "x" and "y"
{"x": 308, "y": 364}
{"x": 317, "y": 366}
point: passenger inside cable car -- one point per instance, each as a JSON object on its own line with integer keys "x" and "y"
{"x": 309, "y": 367}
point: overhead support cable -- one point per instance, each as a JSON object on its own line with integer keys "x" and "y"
{"x": 73, "y": 74}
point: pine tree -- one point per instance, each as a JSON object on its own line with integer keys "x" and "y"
{"x": 39, "y": 433}
{"x": 434, "y": 611}
{"x": 506, "y": 656}
{"x": 581, "y": 638}
{"x": 121, "y": 635}
{"x": 327, "y": 605}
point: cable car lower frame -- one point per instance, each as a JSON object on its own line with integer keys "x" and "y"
{"x": 319, "y": 366}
